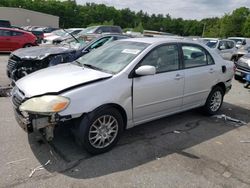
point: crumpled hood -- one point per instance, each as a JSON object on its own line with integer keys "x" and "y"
{"x": 58, "y": 78}
{"x": 40, "y": 52}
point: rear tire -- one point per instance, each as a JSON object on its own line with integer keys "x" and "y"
{"x": 214, "y": 101}
{"x": 99, "y": 131}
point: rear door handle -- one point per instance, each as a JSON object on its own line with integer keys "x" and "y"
{"x": 211, "y": 70}
{"x": 178, "y": 77}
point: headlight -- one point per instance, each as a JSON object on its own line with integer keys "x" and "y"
{"x": 248, "y": 62}
{"x": 45, "y": 104}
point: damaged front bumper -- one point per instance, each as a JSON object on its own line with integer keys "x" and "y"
{"x": 32, "y": 123}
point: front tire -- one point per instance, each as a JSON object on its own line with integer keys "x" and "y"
{"x": 27, "y": 45}
{"x": 214, "y": 101}
{"x": 236, "y": 77}
{"x": 100, "y": 130}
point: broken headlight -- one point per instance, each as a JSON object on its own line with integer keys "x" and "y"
{"x": 45, "y": 104}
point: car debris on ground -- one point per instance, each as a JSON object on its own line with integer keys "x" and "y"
{"x": 41, "y": 167}
{"x": 225, "y": 117}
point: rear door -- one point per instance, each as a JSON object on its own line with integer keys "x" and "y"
{"x": 17, "y": 39}
{"x": 160, "y": 94}
{"x": 200, "y": 75}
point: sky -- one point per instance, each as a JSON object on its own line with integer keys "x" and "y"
{"x": 186, "y": 9}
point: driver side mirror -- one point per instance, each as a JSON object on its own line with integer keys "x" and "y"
{"x": 145, "y": 70}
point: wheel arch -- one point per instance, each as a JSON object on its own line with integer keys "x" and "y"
{"x": 27, "y": 44}
{"x": 221, "y": 85}
{"x": 117, "y": 107}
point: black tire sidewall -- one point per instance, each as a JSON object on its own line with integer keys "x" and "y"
{"x": 86, "y": 123}
{"x": 236, "y": 77}
{"x": 27, "y": 45}
{"x": 207, "y": 108}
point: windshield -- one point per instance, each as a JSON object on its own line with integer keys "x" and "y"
{"x": 114, "y": 56}
{"x": 212, "y": 44}
{"x": 60, "y": 32}
{"x": 236, "y": 40}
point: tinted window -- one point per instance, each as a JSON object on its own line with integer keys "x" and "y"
{"x": 105, "y": 29}
{"x": 225, "y": 45}
{"x": 212, "y": 43}
{"x": 230, "y": 44}
{"x": 4, "y": 23}
{"x": 116, "y": 30}
{"x": 195, "y": 56}
{"x": 164, "y": 58}
{"x": 5, "y": 33}
{"x": 15, "y": 33}
{"x": 99, "y": 43}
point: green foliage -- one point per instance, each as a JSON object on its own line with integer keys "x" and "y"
{"x": 73, "y": 15}
{"x": 139, "y": 28}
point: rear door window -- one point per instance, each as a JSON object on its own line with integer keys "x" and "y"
{"x": 16, "y": 33}
{"x": 196, "y": 56}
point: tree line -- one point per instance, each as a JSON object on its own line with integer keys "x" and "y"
{"x": 71, "y": 14}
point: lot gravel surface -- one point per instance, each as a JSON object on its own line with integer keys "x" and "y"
{"x": 184, "y": 150}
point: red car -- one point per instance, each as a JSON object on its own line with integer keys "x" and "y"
{"x": 12, "y": 39}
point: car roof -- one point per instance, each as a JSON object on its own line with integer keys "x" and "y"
{"x": 236, "y": 38}
{"x": 152, "y": 40}
{"x": 14, "y": 29}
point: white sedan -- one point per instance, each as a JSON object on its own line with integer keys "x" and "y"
{"x": 121, "y": 85}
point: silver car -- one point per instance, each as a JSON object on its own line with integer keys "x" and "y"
{"x": 226, "y": 48}
{"x": 121, "y": 85}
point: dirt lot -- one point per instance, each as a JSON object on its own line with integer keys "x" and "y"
{"x": 184, "y": 150}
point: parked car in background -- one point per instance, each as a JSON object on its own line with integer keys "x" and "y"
{"x": 25, "y": 61}
{"x": 240, "y": 41}
{"x": 70, "y": 32}
{"x": 226, "y": 48}
{"x": 60, "y": 35}
{"x": 94, "y": 31}
{"x": 120, "y": 85}
{"x": 242, "y": 67}
{"x": 12, "y": 39}
{"x": 206, "y": 40}
{"x": 46, "y": 29}
{"x": 5, "y": 23}
{"x": 243, "y": 50}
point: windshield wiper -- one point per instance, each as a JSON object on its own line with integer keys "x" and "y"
{"x": 71, "y": 36}
{"x": 92, "y": 67}
{"x": 78, "y": 63}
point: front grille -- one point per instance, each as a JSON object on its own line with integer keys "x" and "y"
{"x": 12, "y": 63}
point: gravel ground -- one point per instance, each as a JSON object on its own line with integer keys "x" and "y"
{"x": 184, "y": 150}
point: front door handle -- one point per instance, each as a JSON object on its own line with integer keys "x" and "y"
{"x": 178, "y": 77}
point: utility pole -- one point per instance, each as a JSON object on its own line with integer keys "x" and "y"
{"x": 203, "y": 31}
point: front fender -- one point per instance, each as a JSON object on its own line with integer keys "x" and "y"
{"x": 87, "y": 98}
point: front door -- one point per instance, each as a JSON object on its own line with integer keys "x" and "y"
{"x": 160, "y": 94}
